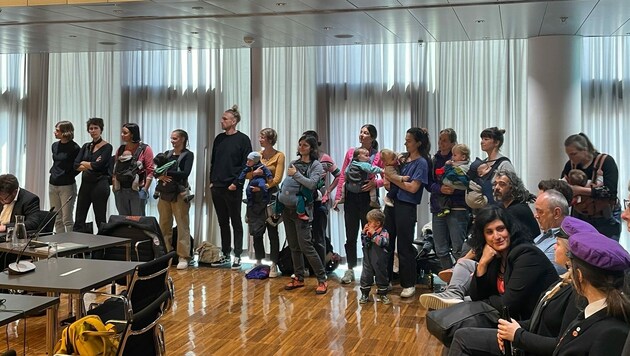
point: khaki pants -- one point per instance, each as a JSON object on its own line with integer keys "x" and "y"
{"x": 180, "y": 210}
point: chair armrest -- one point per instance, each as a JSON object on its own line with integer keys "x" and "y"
{"x": 137, "y": 245}
{"x": 171, "y": 289}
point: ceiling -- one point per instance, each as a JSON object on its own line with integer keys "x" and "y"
{"x": 180, "y": 24}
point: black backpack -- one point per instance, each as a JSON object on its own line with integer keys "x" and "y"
{"x": 126, "y": 172}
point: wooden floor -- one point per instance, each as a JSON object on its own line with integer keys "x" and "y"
{"x": 219, "y": 312}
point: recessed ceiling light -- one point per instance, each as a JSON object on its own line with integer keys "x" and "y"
{"x": 119, "y": 12}
{"x": 72, "y": 36}
{"x": 281, "y": 3}
{"x": 486, "y": 37}
{"x": 197, "y": 7}
{"x": 107, "y": 43}
{"x": 327, "y": 28}
{"x": 194, "y": 32}
{"x": 480, "y": 21}
{"x": 343, "y": 35}
{"x": 358, "y": 42}
{"x": 564, "y": 18}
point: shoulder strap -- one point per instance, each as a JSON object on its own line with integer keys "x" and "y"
{"x": 139, "y": 150}
{"x": 597, "y": 166}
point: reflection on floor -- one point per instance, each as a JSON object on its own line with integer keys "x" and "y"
{"x": 219, "y": 312}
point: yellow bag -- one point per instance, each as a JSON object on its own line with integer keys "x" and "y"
{"x": 88, "y": 336}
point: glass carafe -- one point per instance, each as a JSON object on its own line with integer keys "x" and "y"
{"x": 20, "y": 229}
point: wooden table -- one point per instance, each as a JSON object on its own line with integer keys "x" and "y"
{"x": 66, "y": 275}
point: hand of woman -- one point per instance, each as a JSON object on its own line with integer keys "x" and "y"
{"x": 487, "y": 255}
{"x": 445, "y": 189}
{"x": 291, "y": 170}
{"x": 165, "y": 179}
{"x": 368, "y": 186}
{"x": 507, "y": 329}
{"x": 258, "y": 172}
{"x": 232, "y": 187}
{"x": 255, "y": 189}
{"x": 500, "y": 342}
{"x": 334, "y": 206}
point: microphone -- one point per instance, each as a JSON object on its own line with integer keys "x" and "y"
{"x": 20, "y": 267}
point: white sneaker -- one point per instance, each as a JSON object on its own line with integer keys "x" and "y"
{"x": 348, "y": 277}
{"x": 182, "y": 264}
{"x": 273, "y": 270}
{"x": 440, "y": 300}
{"x": 408, "y": 292}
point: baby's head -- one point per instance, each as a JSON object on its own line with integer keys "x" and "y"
{"x": 375, "y": 218}
{"x": 361, "y": 154}
{"x": 253, "y": 159}
{"x": 577, "y": 177}
{"x": 160, "y": 159}
{"x": 461, "y": 153}
{"x": 125, "y": 156}
{"x": 389, "y": 157}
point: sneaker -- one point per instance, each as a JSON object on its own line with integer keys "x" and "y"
{"x": 221, "y": 262}
{"x": 182, "y": 264}
{"x": 408, "y": 292}
{"x": 383, "y": 299}
{"x": 446, "y": 275}
{"x": 440, "y": 300}
{"x": 295, "y": 283}
{"x": 237, "y": 263}
{"x": 375, "y": 204}
{"x": 348, "y": 277}
{"x": 364, "y": 298}
{"x": 322, "y": 288}
{"x": 302, "y": 217}
{"x": 273, "y": 270}
{"x": 388, "y": 202}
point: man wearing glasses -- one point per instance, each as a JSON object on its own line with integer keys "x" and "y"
{"x": 17, "y": 201}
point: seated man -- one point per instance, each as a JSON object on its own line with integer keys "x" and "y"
{"x": 17, "y": 201}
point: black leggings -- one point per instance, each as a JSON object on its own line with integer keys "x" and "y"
{"x": 355, "y": 217}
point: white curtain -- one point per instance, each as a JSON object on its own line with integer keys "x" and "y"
{"x": 13, "y": 78}
{"x": 81, "y": 86}
{"x": 467, "y": 86}
{"x": 605, "y": 113}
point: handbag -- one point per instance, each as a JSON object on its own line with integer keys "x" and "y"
{"x": 274, "y": 218}
{"x": 445, "y": 322}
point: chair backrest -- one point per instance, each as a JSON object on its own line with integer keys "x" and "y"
{"x": 139, "y": 336}
{"x": 149, "y": 281}
{"x": 144, "y": 232}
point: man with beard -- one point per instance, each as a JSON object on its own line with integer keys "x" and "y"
{"x": 510, "y": 193}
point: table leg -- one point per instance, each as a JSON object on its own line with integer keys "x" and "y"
{"x": 52, "y": 324}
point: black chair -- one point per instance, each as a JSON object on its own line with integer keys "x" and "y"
{"x": 148, "y": 282}
{"x": 144, "y": 232}
{"x": 142, "y": 334}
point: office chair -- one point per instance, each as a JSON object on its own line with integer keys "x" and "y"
{"x": 148, "y": 282}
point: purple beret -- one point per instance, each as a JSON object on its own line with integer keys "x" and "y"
{"x": 571, "y": 226}
{"x": 599, "y": 251}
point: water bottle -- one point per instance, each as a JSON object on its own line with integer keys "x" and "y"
{"x": 11, "y": 237}
{"x": 20, "y": 230}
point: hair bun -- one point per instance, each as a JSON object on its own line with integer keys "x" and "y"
{"x": 235, "y": 107}
{"x": 501, "y": 131}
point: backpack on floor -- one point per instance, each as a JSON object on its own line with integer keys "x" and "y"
{"x": 88, "y": 336}
{"x": 208, "y": 253}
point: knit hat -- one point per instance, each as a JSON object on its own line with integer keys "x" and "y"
{"x": 254, "y": 156}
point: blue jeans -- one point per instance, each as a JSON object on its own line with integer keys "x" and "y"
{"x": 449, "y": 232}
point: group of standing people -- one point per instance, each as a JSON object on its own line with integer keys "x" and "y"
{"x": 129, "y": 171}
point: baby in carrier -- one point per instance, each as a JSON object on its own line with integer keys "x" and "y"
{"x": 162, "y": 164}
{"x": 454, "y": 174}
{"x": 252, "y": 164}
{"x": 358, "y": 173}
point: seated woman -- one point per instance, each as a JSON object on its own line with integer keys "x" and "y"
{"x": 556, "y": 309}
{"x": 598, "y": 266}
{"x": 506, "y": 269}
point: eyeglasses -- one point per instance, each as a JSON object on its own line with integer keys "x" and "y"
{"x": 625, "y": 204}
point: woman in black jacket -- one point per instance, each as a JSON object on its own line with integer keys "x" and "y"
{"x": 555, "y": 310}
{"x": 511, "y": 271}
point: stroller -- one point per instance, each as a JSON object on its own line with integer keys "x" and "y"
{"x": 427, "y": 262}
